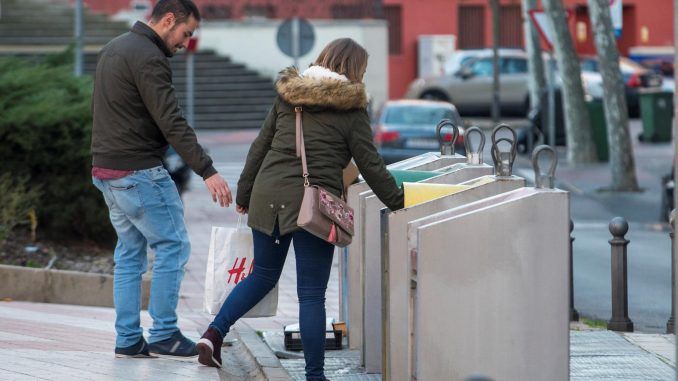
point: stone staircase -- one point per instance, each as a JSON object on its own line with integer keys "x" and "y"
{"x": 34, "y": 25}
{"x": 228, "y": 95}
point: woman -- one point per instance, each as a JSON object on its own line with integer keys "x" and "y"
{"x": 271, "y": 187}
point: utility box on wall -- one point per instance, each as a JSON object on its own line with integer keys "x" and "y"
{"x": 433, "y": 52}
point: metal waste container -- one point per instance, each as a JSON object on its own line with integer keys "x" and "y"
{"x": 656, "y": 112}
{"x": 352, "y": 266}
{"x": 477, "y": 296}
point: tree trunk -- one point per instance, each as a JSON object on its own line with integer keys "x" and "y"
{"x": 535, "y": 63}
{"x": 496, "y": 100}
{"x": 580, "y": 147}
{"x": 616, "y": 112}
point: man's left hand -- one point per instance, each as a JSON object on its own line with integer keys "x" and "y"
{"x": 219, "y": 190}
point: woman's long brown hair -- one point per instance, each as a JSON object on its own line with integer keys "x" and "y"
{"x": 344, "y": 56}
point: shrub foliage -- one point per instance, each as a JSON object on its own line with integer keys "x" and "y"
{"x": 45, "y": 133}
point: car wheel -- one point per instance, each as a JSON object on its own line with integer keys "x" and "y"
{"x": 435, "y": 95}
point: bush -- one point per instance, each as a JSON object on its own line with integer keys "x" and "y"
{"x": 45, "y": 133}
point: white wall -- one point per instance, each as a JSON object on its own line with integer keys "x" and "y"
{"x": 253, "y": 42}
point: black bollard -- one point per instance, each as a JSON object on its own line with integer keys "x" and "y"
{"x": 574, "y": 315}
{"x": 669, "y": 324}
{"x": 620, "y": 310}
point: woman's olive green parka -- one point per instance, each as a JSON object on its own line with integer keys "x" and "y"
{"x": 336, "y": 129}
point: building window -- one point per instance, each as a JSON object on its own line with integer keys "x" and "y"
{"x": 216, "y": 12}
{"x": 510, "y": 26}
{"x": 267, "y": 11}
{"x": 393, "y": 15}
{"x": 471, "y": 27}
{"x": 347, "y": 11}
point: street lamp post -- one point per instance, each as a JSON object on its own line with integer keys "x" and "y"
{"x": 77, "y": 21}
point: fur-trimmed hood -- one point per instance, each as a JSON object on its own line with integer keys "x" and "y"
{"x": 331, "y": 91}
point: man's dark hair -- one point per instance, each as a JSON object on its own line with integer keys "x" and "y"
{"x": 182, "y": 10}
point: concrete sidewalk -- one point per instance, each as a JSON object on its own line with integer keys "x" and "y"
{"x": 41, "y": 341}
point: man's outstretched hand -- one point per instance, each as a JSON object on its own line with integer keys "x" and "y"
{"x": 219, "y": 190}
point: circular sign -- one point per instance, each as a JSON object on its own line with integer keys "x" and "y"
{"x": 306, "y": 37}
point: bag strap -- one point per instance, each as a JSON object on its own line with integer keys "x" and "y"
{"x": 301, "y": 148}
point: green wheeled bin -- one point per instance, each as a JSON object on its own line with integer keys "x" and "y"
{"x": 656, "y": 112}
{"x": 599, "y": 127}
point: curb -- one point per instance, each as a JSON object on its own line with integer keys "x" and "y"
{"x": 61, "y": 286}
{"x": 262, "y": 355}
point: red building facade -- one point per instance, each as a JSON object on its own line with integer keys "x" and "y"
{"x": 274, "y": 9}
{"x": 646, "y": 23}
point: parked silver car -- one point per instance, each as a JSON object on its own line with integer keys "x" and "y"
{"x": 470, "y": 88}
{"x": 463, "y": 56}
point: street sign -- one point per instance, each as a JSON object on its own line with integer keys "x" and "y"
{"x": 295, "y": 37}
{"x": 616, "y": 11}
{"x": 544, "y": 25}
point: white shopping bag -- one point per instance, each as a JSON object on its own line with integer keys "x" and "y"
{"x": 230, "y": 260}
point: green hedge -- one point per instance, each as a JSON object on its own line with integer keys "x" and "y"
{"x": 45, "y": 132}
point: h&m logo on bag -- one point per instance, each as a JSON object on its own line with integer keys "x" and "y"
{"x": 238, "y": 270}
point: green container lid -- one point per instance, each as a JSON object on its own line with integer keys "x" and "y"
{"x": 403, "y": 176}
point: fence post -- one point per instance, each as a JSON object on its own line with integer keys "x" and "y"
{"x": 620, "y": 312}
{"x": 574, "y": 315}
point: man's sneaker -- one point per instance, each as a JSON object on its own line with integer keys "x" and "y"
{"x": 138, "y": 350}
{"x": 209, "y": 348}
{"x": 177, "y": 345}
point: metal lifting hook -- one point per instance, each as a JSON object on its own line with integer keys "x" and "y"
{"x": 503, "y": 160}
{"x": 544, "y": 180}
{"x": 474, "y": 157}
{"x": 447, "y": 148}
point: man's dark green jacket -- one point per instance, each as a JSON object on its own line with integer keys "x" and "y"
{"x": 135, "y": 108}
{"x": 336, "y": 129}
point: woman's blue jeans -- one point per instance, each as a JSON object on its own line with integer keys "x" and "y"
{"x": 314, "y": 262}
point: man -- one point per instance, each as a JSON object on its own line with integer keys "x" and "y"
{"x": 136, "y": 115}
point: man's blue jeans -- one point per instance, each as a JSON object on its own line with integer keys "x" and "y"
{"x": 314, "y": 262}
{"x": 146, "y": 210}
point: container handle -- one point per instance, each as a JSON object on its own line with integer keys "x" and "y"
{"x": 474, "y": 157}
{"x": 447, "y": 148}
{"x": 544, "y": 180}
{"x": 503, "y": 160}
